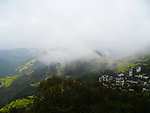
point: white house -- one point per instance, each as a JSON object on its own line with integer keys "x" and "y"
{"x": 104, "y": 78}
{"x": 138, "y": 69}
{"x": 121, "y": 75}
{"x": 145, "y": 77}
{"x": 120, "y": 81}
{"x": 139, "y": 76}
{"x": 130, "y": 72}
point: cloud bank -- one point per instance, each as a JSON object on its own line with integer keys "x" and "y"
{"x": 75, "y": 25}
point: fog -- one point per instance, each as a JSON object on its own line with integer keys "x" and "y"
{"x": 74, "y": 28}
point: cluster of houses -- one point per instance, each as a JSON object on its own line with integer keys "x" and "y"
{"x": 132, "y": 76}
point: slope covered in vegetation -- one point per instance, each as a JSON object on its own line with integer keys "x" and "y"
{"x": 17, "y": 104}
{"x": 60, "y": 95}
{"x": 26, "y": 66}
{"x": 132, "y": 63}
{"x": 6, "y": 82}
{"x": 11, "y": 59}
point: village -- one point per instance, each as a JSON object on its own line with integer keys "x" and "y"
{"x": 132, "y": 76}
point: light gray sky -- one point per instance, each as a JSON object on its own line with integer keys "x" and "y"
{"x": 122, "y": 25}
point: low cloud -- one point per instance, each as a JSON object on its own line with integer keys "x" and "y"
{"x": 76, "y": 27}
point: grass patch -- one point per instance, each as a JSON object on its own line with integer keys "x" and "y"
{"x": 19, "y": 103}
{"x": 6, "y": 82}
{"x": 26, "y": 66}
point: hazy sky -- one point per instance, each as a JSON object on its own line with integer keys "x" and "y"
{"x": 76, "y": 24}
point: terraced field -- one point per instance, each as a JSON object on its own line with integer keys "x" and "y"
{"x": 6, "y": 82}
{"x": 132, "y": 63}
{"x": 19, "y": 103}
{"x": 26, "y": 66}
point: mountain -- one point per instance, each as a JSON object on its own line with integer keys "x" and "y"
{"x": 27, "y": 73}
{"x": 15, "y": 67}
{"x": 134, "y": 62}
{"x": 12, "y": 59}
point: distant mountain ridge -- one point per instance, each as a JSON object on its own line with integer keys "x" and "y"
{"x": 12, "y": 59}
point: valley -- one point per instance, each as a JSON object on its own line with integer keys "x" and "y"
{"x": 23, "y": 87}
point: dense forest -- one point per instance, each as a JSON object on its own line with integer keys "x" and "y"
{"x": 62, "y": 95}
{"x": 72, "y": 88}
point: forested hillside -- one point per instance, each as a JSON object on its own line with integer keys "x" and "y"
{"x": 10, "y": 60}
{"x": 73, "y": 88}
{"x": 61, "y": 95}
